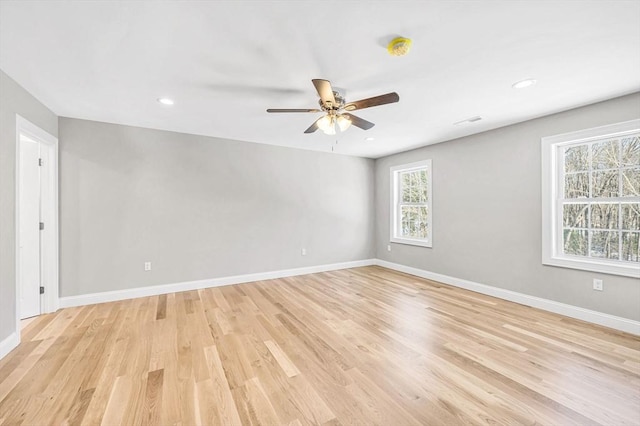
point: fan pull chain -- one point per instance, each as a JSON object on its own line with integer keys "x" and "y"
{"x": 333, "y": 146}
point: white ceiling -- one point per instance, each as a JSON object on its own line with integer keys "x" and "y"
{"x": 225, "y": 62}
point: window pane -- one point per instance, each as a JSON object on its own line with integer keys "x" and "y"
{"x": 406, "y": 194}
{"x": 631, "y": 217}
{"x": 416, "y": 193}
{"x": 604, "y": 244}
{"x": 412, "y": 177}
{"x": 575, "y": 242}
{"x": 575, "y": 215}
{"x": 605, "y": 184}
{"x": 409, "y": 216}
{"x": 405, "y": 179}
{"x": 423, "y": 194}
{"x": 422, "y": 212}
{"x": 416, "y": 230}
{"x": 631, "y": 183}
{"x": 576, "y": 158}
{"x": 422, "y": 230}
{"x": 605, "y": 154}
{"x": 406, "y": 187}
{"x": 604, "y": 216}
{"x": 414, "y": 186}
{"x": 414, "y": 221}
{"x": 631, "y": 246}
{"x": 423, "y": 186}
{"x": 407, "y": 213}
{"x": 631, "y": 151}
{"x": 576, "y": 185}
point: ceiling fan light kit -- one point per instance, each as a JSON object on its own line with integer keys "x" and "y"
{"x": 332, "y": 103}
{"x": 327, "y": 124}
{"x": 399, "y": 46}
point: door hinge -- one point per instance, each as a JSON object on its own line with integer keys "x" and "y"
{"x": 41, "y": 290}
{"x": 41, "y": 226}
{"x": 40, "y": 163}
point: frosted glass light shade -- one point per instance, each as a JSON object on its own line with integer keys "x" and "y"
{"x": 331, "y": 130}
{"x": 325, "y": 123}
{"x": 343, "y": 122}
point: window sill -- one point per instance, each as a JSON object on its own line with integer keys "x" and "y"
{"x": 631, "y": 270}
{"x": 408, "y": 241}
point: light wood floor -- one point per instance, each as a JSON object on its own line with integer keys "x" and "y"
{"x": 359, "y": 346}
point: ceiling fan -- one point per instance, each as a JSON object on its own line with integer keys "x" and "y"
{"x": 337, "y": 111}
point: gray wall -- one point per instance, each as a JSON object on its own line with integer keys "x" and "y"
{"x": 200, "y": 207}
{"x": 13, "y": 100}
{"x": 487, "y": 213}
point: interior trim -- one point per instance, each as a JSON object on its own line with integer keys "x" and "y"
{"x": 132, "y": 293}
{"x": 612, "y": 321}
{"x": 9, "y": 343}
{"x": 50, "y": 259}
{"x": 595, "y": 317}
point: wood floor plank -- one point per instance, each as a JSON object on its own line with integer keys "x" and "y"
{"x": 161, "y": 312}
{"x": 21, "y": 361}
{"x": 228, "y": 412}
{"x": 115, "y": 408}
{"x": 354, "y": 346}
{"x": 283, "y": 360}
{"x": 153, "y": 398}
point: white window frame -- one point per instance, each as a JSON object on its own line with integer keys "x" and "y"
{"x": 552, "y": 169}
{"x": 395, "y": 224}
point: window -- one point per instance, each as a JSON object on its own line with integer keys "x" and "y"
{"x": 411, "y": 213}
{"x": 591, "y": 199}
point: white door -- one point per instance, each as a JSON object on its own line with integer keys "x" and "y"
{"x": 29, "y": 205}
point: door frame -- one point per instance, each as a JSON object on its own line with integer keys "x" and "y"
{"x": 49, "y": 213}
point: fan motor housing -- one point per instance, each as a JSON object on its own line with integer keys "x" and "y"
{"x": 339, "y": 102}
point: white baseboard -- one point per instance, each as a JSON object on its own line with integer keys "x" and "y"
{"x": 9, "y": 343}
{"x": 612, "y": 321}
{"x": 618, "y": 323}
{"x": 132, "y": 293}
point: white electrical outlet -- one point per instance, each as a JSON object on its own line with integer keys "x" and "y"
{"x": 389, "y": 247}
{"x": 303, "y": 252}
{"x": 147, "y": 266}
{"x": 598, "y": 284}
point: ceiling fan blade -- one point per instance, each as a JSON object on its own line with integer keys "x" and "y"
{"x": 359, "y": 122}
{"x": 388, "y": 98}
{"x": 314, "y": 126}
{"x": 325, "y": 91}
{"x": 293, "y": 110}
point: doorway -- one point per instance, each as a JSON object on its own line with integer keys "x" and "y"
{"x": 36, "y": 221}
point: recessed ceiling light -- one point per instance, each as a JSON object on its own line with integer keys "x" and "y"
{"x": 369, "y": 138}
{"x": 468, "y": 120}
{"x": 524, "y": 83}
{"x": 165, "y": 101}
